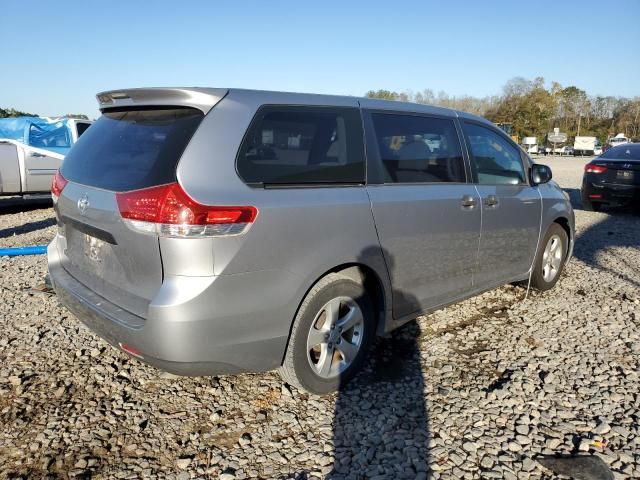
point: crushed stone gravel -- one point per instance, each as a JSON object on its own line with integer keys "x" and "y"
{"x": 482, "y": 389}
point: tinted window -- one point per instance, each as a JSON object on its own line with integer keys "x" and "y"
{"x": 418, "y": 149}
{"x": 293, "y": 145}
{"x": 131, "y": 150}
{"x": 82, "y": 127}
{"x": 623, "y": 152}
{"x": 494, "y": 159}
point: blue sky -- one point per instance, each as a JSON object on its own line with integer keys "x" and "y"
{"x": 55, "y": 56}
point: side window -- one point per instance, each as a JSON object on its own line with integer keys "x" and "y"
{"x": 81, "y": 128}
{"x": 495, "y": 160}
{"x": 303, "y": 145}
{"x": 417, "y": 149}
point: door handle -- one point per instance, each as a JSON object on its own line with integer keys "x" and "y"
{"x": 491, "y": 201}
{"x": 468, "y": 201}
{"x": 36, "y": 154}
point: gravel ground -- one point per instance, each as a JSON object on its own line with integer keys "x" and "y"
{"x": 483, "y": 389}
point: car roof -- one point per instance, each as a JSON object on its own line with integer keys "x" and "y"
{"x": 205, "y": 98}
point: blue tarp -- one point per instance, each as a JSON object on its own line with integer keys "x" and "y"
{"x": 54, "y": 135}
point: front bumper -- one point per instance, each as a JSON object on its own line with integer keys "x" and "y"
{"x": 176, "y": 336}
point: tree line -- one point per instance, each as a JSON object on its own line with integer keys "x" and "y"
{"x": 533, "y": 109}
{"x": 12, "y": 112}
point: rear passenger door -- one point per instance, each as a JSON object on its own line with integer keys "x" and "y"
{"x": 510, "y": 206}
{"x": 426, "y": 214}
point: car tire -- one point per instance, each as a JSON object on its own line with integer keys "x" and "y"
{"x": 550, "y": 259}
{"x": 333, "y": 304}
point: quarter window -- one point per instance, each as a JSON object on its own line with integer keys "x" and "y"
{"x": 417, "y": 149}
{"x": 303, "y": 145}
{"x": 494, "y": 159}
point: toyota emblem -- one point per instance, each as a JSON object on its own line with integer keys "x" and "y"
{"x": 83, "y": 204}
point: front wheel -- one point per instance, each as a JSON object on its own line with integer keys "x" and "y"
{"x": 551, "y": 257}
{"x": 331, "y": 334}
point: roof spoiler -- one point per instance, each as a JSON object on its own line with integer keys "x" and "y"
{"x": 203, "y": 99}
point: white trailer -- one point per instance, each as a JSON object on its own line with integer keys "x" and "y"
{"x": 530, "y": 144}
{"x": 585, "y": 145}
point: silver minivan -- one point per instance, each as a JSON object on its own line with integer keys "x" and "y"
{"x": 208, "y": 231}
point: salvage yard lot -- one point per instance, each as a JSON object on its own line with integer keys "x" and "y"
{"x": 478, "y": 390}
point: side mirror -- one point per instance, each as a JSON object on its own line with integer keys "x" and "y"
{"x": 540, "y": 174}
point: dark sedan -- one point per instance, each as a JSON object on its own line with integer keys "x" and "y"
{"x": 613, "y": 178}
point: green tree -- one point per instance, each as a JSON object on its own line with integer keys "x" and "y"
{"x": 534, "y": 110}
{"x": 383, "y": 94}
{"x": 11, "y": 112}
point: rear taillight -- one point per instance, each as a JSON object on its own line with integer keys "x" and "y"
{"x": 168, "y": 211}
{"x": 590, "y": 168}
{"x": 58, "y": 184}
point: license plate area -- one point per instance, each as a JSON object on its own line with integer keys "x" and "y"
{"x": 93, "y": 247}
{"x": 624, "y": 175}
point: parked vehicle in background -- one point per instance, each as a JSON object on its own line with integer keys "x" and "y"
{"x": 597, "y": 150}
{"x": 613, "y": 178}
{"x": 543, "y": 150}
{"x": 585, "y": 145}
{"x": 559, "y": 150}
{"x": 210, "y": 231}
{"x": 567, "y": 150}
{"x": 31, "y": 151}
{"x": 619, "y": 139}
{"x": 530, "y": 145}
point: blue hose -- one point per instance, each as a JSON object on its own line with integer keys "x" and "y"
{"x": 16, "y": 251}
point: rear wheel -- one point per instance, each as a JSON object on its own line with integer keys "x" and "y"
{"x": 550, "y": 259}
{"x": 590, "y": 206}
{"x": 331, "y": 334}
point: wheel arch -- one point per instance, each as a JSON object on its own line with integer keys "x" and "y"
{"x": 373, "y": 285}
{"x": 564, "y": 223}
{"x": 363, "y": 274}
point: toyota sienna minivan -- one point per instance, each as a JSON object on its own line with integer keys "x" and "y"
{"x": 211, "y": 231}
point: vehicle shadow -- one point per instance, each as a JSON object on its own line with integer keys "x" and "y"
{"x": 380, "y": 424}
{"x": 17, "y": 205}
{"x": 27, "y": 227}
{"x": 612, "y": 231}
{"x": 574, "y": 197}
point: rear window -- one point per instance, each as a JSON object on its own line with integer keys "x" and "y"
{"x": 129, "y": 150}
{"x": 623, "y": 152}
{"x": 303, "y": 145}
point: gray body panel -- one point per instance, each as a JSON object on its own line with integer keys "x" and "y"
{"x": 226, "y": 304}
{"x": 125, "y": 269}
{"x": 510, "y": 231}
{"x": 430, "y": 242}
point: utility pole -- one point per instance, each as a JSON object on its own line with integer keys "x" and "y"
{"x": 580, "y": 108}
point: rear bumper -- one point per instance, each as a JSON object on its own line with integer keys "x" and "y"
{"x": 189, "y": 329}
{"x": 611, "y": 194}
